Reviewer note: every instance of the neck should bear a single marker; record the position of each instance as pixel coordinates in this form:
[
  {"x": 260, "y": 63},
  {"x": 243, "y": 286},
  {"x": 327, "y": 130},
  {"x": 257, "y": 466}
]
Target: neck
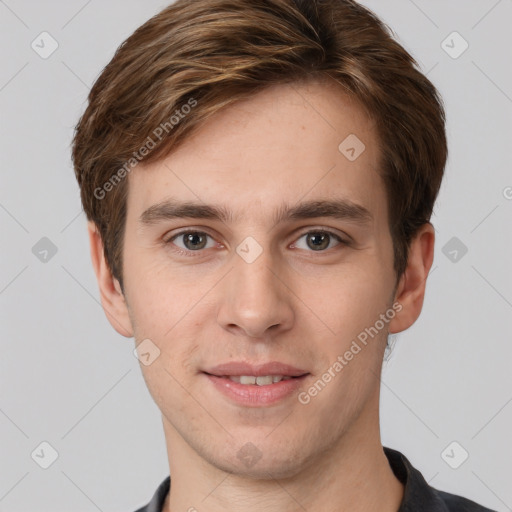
[{"x": 353, "y": 475}]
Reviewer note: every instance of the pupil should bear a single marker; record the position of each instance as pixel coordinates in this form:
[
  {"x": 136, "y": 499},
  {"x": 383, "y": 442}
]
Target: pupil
[
  {"x": 320, "y": 238},
  {"x": 195, "y": 240}
]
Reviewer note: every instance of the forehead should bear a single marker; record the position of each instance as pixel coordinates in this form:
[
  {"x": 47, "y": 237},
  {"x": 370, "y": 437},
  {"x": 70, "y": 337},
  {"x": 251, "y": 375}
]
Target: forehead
[{"x": 288, "y": 143}]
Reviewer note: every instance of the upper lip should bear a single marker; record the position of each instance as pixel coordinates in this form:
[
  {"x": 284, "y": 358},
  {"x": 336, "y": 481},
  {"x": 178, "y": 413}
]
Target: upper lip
[{"x": 256, "y": 370}]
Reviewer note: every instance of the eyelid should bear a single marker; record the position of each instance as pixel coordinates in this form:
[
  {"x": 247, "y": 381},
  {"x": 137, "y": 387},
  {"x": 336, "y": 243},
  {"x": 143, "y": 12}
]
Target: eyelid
[
  {"x": 167, "y": 239},
  {"x": 319, "y": 229},
  {"x": 330, "y": 231}
]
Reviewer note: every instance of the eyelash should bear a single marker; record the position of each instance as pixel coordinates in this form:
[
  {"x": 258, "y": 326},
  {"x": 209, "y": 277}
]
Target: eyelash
[{"x": 192, "y": 254}]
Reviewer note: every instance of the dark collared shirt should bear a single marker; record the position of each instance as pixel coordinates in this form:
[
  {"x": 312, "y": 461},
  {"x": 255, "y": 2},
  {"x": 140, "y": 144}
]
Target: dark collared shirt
[{"x": 418, "y": 495}]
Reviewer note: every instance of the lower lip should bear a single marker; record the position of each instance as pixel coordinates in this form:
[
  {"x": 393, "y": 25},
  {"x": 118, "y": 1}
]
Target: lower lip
[{"x": 252, "y": 395}]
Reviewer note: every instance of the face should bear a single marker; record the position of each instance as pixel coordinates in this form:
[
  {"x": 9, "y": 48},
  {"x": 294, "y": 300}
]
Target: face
[{"x": 292, "y": 265}]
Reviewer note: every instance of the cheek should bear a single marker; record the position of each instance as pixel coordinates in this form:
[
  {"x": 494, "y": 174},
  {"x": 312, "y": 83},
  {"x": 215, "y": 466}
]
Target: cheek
[
  {"x": 351, "y": 300},
  {"x": 170, "y": 309},
  {"x": 158, "y": 297}
]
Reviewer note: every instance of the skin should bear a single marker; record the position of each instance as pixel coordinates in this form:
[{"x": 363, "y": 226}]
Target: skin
[{"x": 294, "y": 304}]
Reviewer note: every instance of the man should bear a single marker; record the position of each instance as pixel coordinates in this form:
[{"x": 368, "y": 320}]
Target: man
[{"x": 259, "y": 178}]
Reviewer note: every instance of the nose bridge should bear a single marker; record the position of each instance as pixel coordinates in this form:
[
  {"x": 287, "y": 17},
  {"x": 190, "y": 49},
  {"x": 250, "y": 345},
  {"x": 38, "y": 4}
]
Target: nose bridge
[
  {"x": 256, "y": 276},
  {"x": 253, "y": 298}
]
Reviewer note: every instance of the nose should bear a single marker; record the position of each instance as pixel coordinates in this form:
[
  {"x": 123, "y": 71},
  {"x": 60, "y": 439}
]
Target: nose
[{"x": 256, "y": 300}]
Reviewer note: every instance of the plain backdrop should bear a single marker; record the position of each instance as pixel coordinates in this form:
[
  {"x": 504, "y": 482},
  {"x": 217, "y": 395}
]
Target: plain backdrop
[{"x": 69, "y": 380}]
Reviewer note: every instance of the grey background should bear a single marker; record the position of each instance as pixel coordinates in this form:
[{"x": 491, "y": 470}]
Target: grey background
[{"x": 67, "y": 378}]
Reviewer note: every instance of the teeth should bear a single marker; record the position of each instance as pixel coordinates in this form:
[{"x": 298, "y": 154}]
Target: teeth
[{"x": 260, "y": 381}]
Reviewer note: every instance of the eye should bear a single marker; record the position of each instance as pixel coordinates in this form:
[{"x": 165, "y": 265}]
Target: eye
[
  {"x": 319, "y": 240},
  {"x": 193, "y": 241},
  {"x": 188, "y": 242}
]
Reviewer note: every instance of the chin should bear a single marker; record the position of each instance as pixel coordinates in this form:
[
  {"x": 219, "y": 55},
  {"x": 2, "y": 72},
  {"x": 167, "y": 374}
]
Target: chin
[
  {"x": 263, "y": 470},
  {"x": 260, "y": 463}
]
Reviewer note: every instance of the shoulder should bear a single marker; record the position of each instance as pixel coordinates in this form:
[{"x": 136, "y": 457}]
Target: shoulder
[
  {"x": 157, "y": 501},
  {"x": 460, "y": 504},
  {"x": 419, "y": 496}
]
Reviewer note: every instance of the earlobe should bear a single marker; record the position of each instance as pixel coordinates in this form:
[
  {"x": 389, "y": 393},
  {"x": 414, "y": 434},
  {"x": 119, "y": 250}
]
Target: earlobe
[
  {"x": 411, "y": 288},
  {"x": 112, "y": 297}
]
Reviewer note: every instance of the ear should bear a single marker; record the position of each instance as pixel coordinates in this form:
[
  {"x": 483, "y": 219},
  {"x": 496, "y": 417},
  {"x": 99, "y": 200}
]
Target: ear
[
  {"x": 112, "y": 298},
  {"x": 411, "y": 287}
]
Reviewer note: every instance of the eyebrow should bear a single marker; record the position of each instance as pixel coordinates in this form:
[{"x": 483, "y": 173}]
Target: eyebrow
[{"x": 341, "y": 209}]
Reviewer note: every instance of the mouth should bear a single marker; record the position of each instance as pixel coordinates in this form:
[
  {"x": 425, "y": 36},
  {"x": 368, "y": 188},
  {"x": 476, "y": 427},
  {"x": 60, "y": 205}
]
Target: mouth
[
  {"x": 260, "y": 380},
  {"x": 262, "y": 374},
  {"x": 250, "y": 385}
]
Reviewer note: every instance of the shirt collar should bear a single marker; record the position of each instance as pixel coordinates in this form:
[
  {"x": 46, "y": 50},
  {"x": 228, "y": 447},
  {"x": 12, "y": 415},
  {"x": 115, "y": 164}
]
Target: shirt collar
[{"x": 418, "y": 495}]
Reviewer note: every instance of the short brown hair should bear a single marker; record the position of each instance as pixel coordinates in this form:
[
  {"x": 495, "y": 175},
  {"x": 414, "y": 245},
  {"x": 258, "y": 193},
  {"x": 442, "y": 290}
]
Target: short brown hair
[{"x": 208, "y": 54}]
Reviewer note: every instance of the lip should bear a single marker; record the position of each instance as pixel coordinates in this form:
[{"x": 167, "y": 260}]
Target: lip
[
  {"x": 253, "y": 395},
  {"x": 238, "y": 368}
]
